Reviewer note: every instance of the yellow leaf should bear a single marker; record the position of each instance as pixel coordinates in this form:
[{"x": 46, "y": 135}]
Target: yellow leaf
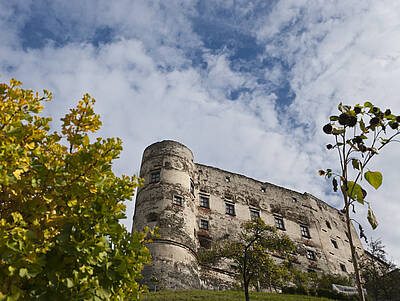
[
  {"x": 17, "y": 173},
  {"x": 93, "y": 189}
]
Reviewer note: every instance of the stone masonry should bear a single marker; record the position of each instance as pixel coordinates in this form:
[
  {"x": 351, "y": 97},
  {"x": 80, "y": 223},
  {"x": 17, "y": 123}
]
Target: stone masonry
[{"x": 195, "y": 205}]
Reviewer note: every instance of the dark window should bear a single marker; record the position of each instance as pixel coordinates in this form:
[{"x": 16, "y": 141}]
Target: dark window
[
  {"x": 311, "y": 255},
  {"x": 254, "y": 214},
  {"x": 204, "y": 202},
  {"x": 203, "y": 224},
  {"x": 191, "y": 187},
  {"x": 279, "y": 223},
  {"x": 177, "y": 200},
  {"x": 263, "y": 189},
  {"x": 334, "y": 243},
  {"x": 304, "y": 231},
  {"x": 205, "y": 242},
  {"x": 294, "y": 200},
  {"x": 155, "y": 176},
  {"x": 328, "y": 225},
  {"x": 343, "y": 267},
  {"x": 229, "y": 208},
  {"x": 227, "y": 179}
]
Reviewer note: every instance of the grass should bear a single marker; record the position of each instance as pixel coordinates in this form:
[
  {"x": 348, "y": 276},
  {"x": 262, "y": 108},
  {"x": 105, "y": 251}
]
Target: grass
[{"x": 195, "y": 295}]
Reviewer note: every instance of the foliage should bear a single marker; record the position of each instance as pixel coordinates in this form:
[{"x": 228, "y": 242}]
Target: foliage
[
  {"x": 60, "y": 236},
  {"x": 379, "y": 274},
  {"x": 188, "y": 295},
  {"x": 251, "y": 253},
  {"x": 360, "y": 133},
  {"x": 313, "y": 284}
]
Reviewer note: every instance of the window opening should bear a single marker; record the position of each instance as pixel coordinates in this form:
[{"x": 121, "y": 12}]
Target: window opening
[
  {"x": 263, "y": 189},
  {"x": 155, "y": 176},
  {"x": 279, "y": 223},
  {"x": 229, "y": 208},
  {"x": 204, "y": 202},
  {"x": 311, "y": 255},
  {"x": 204, "y": 224},
  {"x": 177, "y": 200},
  {"x": 227, "y": 179},
  {"x": 294, "y": 200},
  {"x": 334, "y": 243},
  {"x": 254, "y": 214},
  {"x": 328, "y": 224},
  {"x": 191, "y": 187},
  {"x": 304, "y": 231},
  {"x": 343, "y": 267}
]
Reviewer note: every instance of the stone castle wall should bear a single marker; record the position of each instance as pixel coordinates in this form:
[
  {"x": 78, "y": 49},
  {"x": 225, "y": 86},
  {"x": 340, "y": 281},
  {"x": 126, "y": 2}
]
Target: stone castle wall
[{"x": 170, "y": 200}]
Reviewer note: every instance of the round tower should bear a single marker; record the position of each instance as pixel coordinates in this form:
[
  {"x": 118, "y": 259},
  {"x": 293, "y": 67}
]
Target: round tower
[{"x": 166, "y": 201}]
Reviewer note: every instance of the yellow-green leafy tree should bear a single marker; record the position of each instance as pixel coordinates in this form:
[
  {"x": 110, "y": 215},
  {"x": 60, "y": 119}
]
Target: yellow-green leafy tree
[{"x": 60, "y": 206}]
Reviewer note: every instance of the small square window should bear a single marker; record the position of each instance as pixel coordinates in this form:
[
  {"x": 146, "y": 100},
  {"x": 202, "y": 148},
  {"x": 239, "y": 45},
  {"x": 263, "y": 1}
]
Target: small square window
[
  {"x": 177, "y": 200},
  {"x": 229, "y": 208},
  {"x": 279, "y": 223},
  {"x": 263, "y": 189},
  {"x": 191, "y": 187},
  {"x": 304, "y": 231},
  {"x": 343, "y": 267},
  {"x": 294, "y": 200},
  {"x": 254, "y": 214},
  {"x": 334, "y": 243},
  {"x": 328, "y": 224},
  {"x": 204, "y": 224},
  {"x": 311, "y": 255},
  {"x": 204, "y": 201},
  {"x": 227, "y": 179},
  {"x": 155, "y": 176}
]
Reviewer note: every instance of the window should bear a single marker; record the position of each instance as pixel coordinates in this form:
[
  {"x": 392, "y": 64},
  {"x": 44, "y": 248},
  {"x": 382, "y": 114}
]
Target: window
[
  {"x": 155, "y": 176},
  {"x": 334, "y": 243},
  {"x": 229, "y": 208},
  {"x": 263, "y": 189},
  {"x": 204, "y": 224},
  {"x": 343, "y": 267},
  {"x": 294, "y": 200},
  {"x": 328, "y": 224},
  {"x": 311, "y": 255},
  {"x": 254, "y": 214},
  {"x": 205, "y": 242},
  {"x": 177, "y": 200},
  {"x": 191, "y": 187},
  {"x": 227, "y": 179},
  {"x": 279, "y": 223},
  {"x": 304, "y": 231},
  {"x": 204, "y": 202}
]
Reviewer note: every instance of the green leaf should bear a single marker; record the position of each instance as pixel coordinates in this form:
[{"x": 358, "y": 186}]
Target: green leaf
[
  {"x": 374, "y": 178},
  {"x": 356, "y": 164},
  {"x": 362, "y": 126},
  {"x": 334, "y": 118},
  {"x": 355, "y": 192},
  {"x": 70, "y": 283},
  {"x": 372, "y": 218},
  {"x": 23, "y": 272},
  {"x": 368, "y": 104}
]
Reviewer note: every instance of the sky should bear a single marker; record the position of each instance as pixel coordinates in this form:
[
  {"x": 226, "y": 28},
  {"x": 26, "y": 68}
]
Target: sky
[{"x": 246, "y": 85}]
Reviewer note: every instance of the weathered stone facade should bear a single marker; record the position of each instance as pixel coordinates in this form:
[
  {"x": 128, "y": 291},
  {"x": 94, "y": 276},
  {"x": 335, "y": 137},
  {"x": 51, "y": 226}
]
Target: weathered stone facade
[{"x": 195, "y": 205}]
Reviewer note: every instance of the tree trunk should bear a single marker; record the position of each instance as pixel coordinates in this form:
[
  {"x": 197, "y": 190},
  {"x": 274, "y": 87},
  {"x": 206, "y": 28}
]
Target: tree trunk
[
  {"x": 246, "y": 290},
  {"x": 354, "y": 254}
]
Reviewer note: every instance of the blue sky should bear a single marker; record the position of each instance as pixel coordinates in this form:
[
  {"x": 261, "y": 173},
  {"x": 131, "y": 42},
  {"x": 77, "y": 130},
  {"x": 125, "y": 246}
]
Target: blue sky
[{"x": 246, "y": 85}]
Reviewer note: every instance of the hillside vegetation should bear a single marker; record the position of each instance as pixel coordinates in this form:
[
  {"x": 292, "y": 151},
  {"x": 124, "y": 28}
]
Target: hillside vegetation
[{"x": 223, "y": 296}]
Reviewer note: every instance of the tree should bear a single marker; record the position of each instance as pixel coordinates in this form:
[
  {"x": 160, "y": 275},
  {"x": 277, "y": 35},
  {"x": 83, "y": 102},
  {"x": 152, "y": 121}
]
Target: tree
[
  {"x": 60, "y": 202},
  {"x": 251, "y": 254},
  {"x": 378, "y": 273},
  {"x": 360, "y": 133}
]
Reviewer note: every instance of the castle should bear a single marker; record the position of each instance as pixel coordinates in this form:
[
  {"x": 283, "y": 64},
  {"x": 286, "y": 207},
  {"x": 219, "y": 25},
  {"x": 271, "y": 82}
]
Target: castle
[{"x": 195, "y": 205}]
